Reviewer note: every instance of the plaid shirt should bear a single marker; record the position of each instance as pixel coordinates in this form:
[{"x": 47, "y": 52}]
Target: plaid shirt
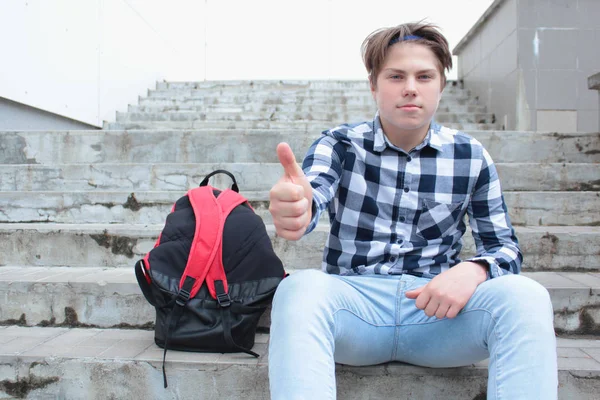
[{"x": 394, "y": 212}]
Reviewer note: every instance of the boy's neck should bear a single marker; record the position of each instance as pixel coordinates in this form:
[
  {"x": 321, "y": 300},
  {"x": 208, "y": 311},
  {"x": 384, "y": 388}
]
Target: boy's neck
[{"x": 405, "y": 139}]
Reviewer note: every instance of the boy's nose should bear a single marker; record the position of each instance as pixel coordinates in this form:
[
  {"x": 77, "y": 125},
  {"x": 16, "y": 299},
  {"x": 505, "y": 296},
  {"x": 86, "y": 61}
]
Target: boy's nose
[{"x": 410, "y": 87}]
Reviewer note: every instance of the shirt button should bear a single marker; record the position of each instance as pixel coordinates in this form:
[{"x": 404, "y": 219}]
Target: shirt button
[
  {"x": 402, "y": 219},
  {"x": 406, "y": 190},
  {"x": 393, "y": 259},
  {"x": 409, "y": 159}
]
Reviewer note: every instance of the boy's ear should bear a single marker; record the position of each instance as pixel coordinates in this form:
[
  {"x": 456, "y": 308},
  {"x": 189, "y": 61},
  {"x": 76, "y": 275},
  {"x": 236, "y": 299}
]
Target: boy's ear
[{"x": 372, "y": 86}]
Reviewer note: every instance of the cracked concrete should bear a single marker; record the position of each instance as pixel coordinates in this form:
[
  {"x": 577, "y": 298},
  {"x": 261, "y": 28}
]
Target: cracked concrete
[
  {"x": 213, "y": 146},
  {"x": 251, "y": 176},
  {"x": 115, "y": 245},
  {"x": 21, "y": 387},
  {"x": 152, "y": 207},
  {"x": 99, "y": 297}
]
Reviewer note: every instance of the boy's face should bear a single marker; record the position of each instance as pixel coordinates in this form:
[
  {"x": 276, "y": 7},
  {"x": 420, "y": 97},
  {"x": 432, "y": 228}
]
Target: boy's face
[{"x": 408, "y": 89}]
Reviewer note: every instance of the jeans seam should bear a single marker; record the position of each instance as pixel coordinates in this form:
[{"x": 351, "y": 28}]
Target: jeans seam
[
  {"x": 361, "y": 318},
  {"x": 398, "y": 308},
  {"x": 495, "y": 358}
]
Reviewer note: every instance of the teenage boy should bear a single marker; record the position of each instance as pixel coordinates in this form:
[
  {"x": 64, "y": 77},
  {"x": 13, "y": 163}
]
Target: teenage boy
[{"x": 394, "y": 289}]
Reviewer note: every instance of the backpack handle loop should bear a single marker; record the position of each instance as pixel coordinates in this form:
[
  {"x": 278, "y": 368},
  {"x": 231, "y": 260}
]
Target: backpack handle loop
[{"x": 234, "y": 187}]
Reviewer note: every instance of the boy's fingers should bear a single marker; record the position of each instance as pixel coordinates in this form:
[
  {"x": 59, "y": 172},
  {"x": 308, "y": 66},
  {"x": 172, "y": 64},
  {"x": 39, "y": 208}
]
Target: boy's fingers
[
  {"x": 288, "y": 161},
  {"x": 295, "y": 223},
  {"x": 442, "y": 311},
  {"x": 287, "y": 191},
  {"x": 413, "y": 294},
  {"x": 453, "y": 311},
  {"x": 290, "y": 235},
  {"x": 431, "y": 308},
  {"x": 293, "y": 209}
]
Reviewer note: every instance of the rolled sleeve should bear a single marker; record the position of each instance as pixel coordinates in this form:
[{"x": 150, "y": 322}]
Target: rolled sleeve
[{"x": 494, "y": 236}]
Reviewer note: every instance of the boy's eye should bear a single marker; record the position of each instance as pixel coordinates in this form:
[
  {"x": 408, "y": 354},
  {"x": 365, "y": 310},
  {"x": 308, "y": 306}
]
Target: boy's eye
[
  {"x": 395, "y": 76},
  {"x": 425, "y": 77}
]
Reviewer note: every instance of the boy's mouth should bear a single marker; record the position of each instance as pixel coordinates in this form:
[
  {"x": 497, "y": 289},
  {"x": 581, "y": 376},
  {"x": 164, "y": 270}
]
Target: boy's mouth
[{"x": 409, "y": 107}]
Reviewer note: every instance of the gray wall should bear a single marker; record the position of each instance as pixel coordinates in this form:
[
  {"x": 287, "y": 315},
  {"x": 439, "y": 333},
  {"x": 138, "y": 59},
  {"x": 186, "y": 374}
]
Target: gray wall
[
  {"x": 594, "y": 84},
  {"x": 529, "y": 60},
  {"x": 488, "y": 62},
  {"x": 17, "y": 116}
]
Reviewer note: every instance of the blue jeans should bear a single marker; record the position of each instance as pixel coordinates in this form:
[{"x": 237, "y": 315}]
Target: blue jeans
[{"x": 365, "y": 320}]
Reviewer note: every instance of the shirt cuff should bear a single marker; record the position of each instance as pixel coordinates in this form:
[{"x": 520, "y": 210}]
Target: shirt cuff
[
  {"x": 314, "y": 218},
  {"x": 493, "y": 270}
]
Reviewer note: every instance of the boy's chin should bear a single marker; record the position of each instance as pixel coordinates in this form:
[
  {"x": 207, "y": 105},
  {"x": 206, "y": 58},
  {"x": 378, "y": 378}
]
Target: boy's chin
[{"x": 412, "y": 126}]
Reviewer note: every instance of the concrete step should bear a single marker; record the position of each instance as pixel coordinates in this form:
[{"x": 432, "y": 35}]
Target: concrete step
[
  {"x": 105, "y": 298},
  {"x": 67, "y": 363},
  {"x": 278, "y": 100},
  {"x": 281, "y": 85},
  {"x": 290, "y": 108},
  {"x": 261, "y": 84},
  {"x": 233, "y": 146},
  {"x": 276, "y": 116},
  {"x": 305, "y": 125},
  {"x": 148, "y": 207},
  {"x": 560, "y": 248},
  {"x": 250, "y": 176},
  {"x": 342, "y": 94},
  {"x": 360, "y": 99}
]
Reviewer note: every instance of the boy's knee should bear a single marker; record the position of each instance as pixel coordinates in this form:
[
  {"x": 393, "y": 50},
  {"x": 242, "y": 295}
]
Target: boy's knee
[
  {"x": 526, "y": 288},
  {"x": 300, "y": 288},
  {"x": 523, "y": 294},
  {"x": 301, "y": 301}
]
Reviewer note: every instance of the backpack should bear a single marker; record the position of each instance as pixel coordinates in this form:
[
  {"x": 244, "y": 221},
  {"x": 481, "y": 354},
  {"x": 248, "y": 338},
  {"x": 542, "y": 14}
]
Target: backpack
[{"x": 211, "y": 274}]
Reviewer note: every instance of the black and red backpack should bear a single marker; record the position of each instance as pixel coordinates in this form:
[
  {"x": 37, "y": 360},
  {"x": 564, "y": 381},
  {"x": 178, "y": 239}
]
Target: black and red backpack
[{"x": 211, "y": 274}]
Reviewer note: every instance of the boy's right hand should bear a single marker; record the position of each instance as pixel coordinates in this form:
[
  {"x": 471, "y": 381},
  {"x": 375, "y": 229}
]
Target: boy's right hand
[{"x": 290, "y": 197}]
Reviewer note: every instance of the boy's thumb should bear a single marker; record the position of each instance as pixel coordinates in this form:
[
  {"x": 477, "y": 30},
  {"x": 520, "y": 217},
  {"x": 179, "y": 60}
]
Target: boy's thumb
[{"x": 288, "y": 161}]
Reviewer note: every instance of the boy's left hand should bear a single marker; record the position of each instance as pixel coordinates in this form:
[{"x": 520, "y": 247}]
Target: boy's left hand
[{"x": 447, "y": 293}]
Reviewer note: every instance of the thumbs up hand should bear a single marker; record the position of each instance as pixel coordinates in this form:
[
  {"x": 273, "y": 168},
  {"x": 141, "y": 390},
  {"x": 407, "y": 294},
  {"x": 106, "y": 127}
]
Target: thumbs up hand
[{"x": 290, "y": 197}]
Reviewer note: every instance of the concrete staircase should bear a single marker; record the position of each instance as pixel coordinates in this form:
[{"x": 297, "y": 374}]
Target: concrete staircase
[
  {"x": 78, "y": 208},
  {"x": 312, "y": 106}
]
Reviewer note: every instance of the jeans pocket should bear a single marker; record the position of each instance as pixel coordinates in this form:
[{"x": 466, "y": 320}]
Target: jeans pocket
[{"x": 436, "y": 220}]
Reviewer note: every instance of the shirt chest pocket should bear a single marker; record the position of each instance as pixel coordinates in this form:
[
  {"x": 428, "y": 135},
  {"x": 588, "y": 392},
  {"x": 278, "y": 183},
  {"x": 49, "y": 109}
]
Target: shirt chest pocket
[{"x": 436, "y": 220}]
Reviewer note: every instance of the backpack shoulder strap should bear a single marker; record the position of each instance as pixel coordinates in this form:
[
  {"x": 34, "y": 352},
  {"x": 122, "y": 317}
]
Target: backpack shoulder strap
[
  {"x": 205, "y": 261},
  {"x": 229, "y": 200},
  {"x": 216, "y": 279},
  {"x": 207, "y": 237}
]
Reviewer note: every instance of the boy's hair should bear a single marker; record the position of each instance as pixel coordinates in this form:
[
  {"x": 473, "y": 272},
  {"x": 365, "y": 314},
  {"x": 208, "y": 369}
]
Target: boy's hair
[{"x": 375, "y": 47}]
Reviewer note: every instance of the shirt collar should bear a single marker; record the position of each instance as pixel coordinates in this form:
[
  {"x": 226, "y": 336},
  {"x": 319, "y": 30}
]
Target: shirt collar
[{"x": 432, "y": 139}]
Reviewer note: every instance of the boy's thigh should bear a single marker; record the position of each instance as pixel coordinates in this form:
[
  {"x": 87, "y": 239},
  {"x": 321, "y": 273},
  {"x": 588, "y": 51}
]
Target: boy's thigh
[
  {"x": 444, "y": 343},
  {"x": 370, "y": 298},
  {"x": 463, "y": 340},
  {"x": 360, "y": 312}
]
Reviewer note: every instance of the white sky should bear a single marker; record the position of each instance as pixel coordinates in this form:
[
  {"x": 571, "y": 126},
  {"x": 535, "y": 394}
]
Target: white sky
[{"x": 284, "y": 39}]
